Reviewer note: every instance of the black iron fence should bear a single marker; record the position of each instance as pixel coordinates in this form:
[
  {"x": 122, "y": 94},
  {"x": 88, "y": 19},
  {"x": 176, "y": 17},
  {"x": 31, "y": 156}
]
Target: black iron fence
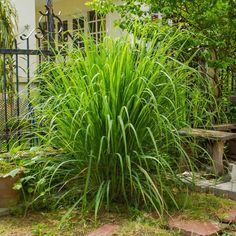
[
  {"x": 15, "y": 92},
  {"x": 17, "y": 68}
]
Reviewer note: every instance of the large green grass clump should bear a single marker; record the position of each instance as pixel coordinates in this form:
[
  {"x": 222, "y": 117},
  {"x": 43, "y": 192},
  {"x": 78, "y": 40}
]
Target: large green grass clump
[{"x": 114, "y": 109}]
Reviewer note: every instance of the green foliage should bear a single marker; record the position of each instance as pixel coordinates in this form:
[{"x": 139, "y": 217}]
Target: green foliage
[
  {"x": 209, "y": 207},
  {"x": 114, "y": 109},
  {"x": 213, "y": 22},
  {"x": 40, "y": 230},
  {"x": 210, "y": 23},
  {"x": 9, "y": 168},
  {"x": 8, "y": 26},
  {"x": 5, "y": 167}
]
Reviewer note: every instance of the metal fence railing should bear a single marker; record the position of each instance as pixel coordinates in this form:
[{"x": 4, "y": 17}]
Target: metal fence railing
[{"x": 17, "y": 67}]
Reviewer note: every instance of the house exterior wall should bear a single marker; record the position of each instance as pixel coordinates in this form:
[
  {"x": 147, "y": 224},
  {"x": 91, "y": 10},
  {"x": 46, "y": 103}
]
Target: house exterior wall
[
  {"x": 26, "y": 23},
  {"x": 26, "y": 18},
  {"x": 71, "y": 9}
]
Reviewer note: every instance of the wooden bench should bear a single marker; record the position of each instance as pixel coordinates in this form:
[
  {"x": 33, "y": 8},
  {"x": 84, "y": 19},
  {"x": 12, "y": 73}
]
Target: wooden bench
[
  {"x": 231, "y": 143},
  {"x": 216, "y": 143},
  {"x": 223, "y": 127}
]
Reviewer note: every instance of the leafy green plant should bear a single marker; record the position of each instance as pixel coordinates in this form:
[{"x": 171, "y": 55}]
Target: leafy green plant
[
  {"x": 10, "y": 166},
  {"x": 39, "y": 230},
  {"x": 211, "y": 26},
  {"x": 8, "y": 25},
  {"x": 6, "y": 167},
  {"x": 114, "y": 109}
]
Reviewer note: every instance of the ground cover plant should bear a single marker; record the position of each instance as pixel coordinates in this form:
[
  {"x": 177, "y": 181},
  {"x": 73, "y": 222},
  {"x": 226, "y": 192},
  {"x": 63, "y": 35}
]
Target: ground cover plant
[{"x": 114, "y": 109}]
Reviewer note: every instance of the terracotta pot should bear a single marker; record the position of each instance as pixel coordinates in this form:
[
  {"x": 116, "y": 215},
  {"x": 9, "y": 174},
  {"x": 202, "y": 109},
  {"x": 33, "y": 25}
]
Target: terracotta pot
[{"x": 8, "y": 196}]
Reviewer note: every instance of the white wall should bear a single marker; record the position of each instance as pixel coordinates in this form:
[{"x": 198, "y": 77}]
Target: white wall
[
  {"x": 26, "y": 23},
  {"x": 72, "y": 8},
  {"x": 26, "y": 18}
]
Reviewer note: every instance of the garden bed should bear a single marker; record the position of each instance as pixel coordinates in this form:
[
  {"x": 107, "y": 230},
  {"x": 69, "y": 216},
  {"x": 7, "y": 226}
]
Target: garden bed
[{"x": 131, "y": 222}]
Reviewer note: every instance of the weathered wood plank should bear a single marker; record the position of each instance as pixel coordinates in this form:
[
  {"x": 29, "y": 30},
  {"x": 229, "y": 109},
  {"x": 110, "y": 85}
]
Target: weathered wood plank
[
  {"x": 207, "y": 134},
  {"x": 217, "y": 156},
  {"x": 223, "y": 127}
]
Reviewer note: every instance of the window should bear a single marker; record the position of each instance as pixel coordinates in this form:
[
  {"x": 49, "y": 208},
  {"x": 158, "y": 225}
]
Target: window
[
  {"x": 78, "y": 29},
  {"x": 88, "y": 23},
  {"x": 63, "y": 30},
  {"x": 96, "y": 25}
]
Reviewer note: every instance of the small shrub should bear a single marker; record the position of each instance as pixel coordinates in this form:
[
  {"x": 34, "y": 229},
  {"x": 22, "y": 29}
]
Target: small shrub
[{"x": 115, "y": 109}]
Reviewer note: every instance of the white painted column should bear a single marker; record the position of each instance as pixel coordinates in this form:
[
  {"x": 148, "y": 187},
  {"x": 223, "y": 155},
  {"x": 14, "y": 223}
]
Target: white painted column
[
  {"x": 26, "y": 18},
  {"x": 26, "y": 23}
]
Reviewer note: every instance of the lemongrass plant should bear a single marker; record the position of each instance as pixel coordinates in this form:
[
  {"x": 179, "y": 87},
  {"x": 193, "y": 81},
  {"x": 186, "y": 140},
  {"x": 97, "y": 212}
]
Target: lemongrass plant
[{"x": 114, "y": 109}]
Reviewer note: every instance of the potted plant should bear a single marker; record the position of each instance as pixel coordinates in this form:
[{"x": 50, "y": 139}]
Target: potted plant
[{"x": 10, "y": 173}]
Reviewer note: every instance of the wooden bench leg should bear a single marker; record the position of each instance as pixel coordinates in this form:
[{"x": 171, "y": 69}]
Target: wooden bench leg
[
  {"x": 232, "y": 145},
  {"x": 217, "y": 152}
]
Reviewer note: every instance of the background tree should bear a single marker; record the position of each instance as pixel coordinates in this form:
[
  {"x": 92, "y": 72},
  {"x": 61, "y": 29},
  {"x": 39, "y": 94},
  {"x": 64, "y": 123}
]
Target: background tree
[
  {"x": 7, "y": 36},
  {"x": 213, "y": 23},
  {"x": 7, "y": 24},
  {"x": 211, "y": 27}
]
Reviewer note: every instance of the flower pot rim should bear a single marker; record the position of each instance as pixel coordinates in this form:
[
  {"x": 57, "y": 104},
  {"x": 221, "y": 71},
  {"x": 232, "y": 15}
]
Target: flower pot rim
[{"x": 15, "y": 172}]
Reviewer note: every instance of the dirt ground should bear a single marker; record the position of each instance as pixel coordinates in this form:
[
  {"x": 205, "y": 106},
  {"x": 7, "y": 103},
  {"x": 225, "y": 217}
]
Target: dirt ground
[
  {"x": 132, "y": 222},
  {"x": 45, "y": 224},
  {"x": 31, "y": 224}
]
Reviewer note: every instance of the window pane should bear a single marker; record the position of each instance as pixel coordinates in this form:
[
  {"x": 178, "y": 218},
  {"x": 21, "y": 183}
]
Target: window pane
[
  {"x": 81, "y": 22},
  {"x": 99, "y": 24},
  {"x": 96, "y": 25},
  {"x": 92, "y": 27},
  {"x": 99, "y": 37},
  {"x": 65, "y": 29},
  {"x": 65, "y": 25},
  {"x": 81, "y": 44},
  {"x": 75, "y": 24},
  {"x": 91, "y": 15}
]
